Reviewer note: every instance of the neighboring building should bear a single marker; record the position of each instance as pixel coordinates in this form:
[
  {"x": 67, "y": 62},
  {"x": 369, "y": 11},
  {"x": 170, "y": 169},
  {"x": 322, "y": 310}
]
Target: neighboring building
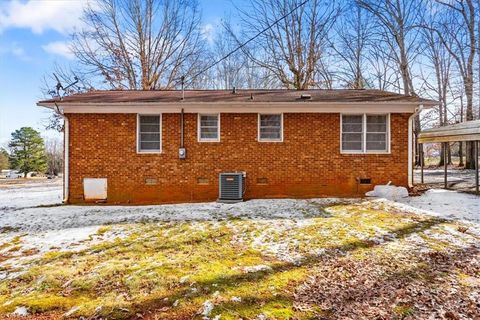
[{"x": 125, "y": 145}]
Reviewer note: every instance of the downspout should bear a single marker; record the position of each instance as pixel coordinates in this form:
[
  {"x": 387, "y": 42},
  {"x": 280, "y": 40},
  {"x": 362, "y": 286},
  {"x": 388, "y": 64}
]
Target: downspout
[
  {"x": 410, "y": 144},
  {"x": 66, "y": 152},
  {"x": 182, "y": 152},
  {"x": 182, "y": 129}
]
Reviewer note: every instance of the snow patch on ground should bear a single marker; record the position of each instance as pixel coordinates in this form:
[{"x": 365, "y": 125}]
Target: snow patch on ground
[
  {"x": 257, "y": 268},
  {"x": 15, "y": 197},
  {"x": 21, "y": 311},
  {"x": 444, "y": 203},
  {"x": 24, "y": 216},
  {"x": 64, "y": 217},
  {"x": 207, "y": 308},
  {"x": 41, "y": 228},
  {"x": 388, "y": 192},
  {"x": 59, "y": 239}
]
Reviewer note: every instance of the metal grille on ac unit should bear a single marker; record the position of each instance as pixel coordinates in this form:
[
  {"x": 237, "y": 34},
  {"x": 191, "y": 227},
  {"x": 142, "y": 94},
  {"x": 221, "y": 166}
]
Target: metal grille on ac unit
[{"x": 231, "y": 187}]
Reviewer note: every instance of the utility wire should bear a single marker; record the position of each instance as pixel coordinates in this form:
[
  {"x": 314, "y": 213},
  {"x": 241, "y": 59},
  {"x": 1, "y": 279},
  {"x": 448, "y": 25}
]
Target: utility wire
[{"x": 248, "y": 41}]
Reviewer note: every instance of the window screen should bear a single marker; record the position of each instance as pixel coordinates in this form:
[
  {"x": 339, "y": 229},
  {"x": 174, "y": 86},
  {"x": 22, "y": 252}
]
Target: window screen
[
  {"x": 376, "y": 139},
  {"x": 209, "y": 125},
  {"x": 270, "y": 127},
  {"x": 352, "y": 133},
  {"x": 149, "y": 133}
]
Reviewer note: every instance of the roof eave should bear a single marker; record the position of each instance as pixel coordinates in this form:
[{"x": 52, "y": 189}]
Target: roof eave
[
  {"x": 51, "y": 104},
  {"x": 239, "y": 107}
]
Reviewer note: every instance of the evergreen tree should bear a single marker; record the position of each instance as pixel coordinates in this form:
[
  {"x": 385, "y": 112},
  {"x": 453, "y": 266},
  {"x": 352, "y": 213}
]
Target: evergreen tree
[{"x": 27, "y": 151}]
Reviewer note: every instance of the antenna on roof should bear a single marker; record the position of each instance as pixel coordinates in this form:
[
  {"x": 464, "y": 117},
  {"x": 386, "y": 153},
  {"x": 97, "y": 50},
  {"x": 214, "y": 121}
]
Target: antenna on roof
[
  {"x": 59, "y": 86},
  {"x": 73, "y": 83}
]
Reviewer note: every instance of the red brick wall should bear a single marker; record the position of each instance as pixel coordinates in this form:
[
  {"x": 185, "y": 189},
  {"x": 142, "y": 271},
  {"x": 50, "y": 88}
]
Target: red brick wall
[{"x": 307, "y": 164}]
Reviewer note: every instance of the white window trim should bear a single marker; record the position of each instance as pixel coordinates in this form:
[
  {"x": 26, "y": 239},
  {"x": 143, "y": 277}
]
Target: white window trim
[
  {"x": 199, "y": 136},
  {"x": 281, "y": 127},
  {"x": 364, "y": 134},
  {"x": 139, "y": 151}
]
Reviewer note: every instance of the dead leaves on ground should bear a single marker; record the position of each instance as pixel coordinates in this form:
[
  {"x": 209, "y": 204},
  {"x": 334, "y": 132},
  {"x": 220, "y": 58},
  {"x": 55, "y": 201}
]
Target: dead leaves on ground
[{"x": 436, "y": 285}]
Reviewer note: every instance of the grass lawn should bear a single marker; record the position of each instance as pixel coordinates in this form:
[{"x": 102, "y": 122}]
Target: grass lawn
[{"x": 360, "y": 260}]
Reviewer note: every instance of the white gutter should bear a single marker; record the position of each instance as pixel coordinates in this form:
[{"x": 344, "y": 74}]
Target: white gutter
[
  {"x": 66, "y": 152},
  {"x": 411, "y": 144},
  {"x": 66, "y": 162}
]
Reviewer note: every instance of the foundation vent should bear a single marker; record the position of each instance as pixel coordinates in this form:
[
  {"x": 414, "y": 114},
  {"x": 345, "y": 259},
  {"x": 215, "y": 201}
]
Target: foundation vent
[
  {"x": 231, "y": 187},
  {"x": 365, "y": 181}
]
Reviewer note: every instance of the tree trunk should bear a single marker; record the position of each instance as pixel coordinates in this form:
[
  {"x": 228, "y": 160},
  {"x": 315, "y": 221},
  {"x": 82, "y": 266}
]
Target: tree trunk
[
  {"x": 449, "y": 155},
  {"x": 469, "y": 148},
  {"x": 460, "y": 146},
  {"x": 416, "y": 132},
  {"x": 460, "y": 154},
  {"x": 469, "y": 155}
]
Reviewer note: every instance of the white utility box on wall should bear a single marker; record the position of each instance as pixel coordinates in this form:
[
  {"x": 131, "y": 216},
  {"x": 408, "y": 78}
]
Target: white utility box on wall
[{"x": 95, "y": 188}]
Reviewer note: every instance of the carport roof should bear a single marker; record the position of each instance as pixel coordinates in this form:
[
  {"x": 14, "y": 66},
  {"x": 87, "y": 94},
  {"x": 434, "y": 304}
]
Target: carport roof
[{"x": 465, "y": 131}]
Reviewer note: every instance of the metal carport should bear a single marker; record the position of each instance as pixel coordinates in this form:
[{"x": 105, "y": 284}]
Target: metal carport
[{"x": 465, "y": 131}]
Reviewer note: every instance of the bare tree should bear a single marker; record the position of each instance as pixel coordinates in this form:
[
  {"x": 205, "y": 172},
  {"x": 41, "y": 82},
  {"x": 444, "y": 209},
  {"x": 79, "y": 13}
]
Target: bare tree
[
  {"x": 237, "y": 69},
  {"x": 140, "y": 44},
  {"x": 399, "y": 22},
  {"x": 292, "y": 50},
  {"x": 478, "y": 57},
  {"x": 382, "y": 74},
  {"x": 457, "y": 91},
  {"x": 437, "y": 86},
  {"x": 54, "y": 153},
  {"x": 352, "y": 42},
  {"x": 457, "y": 32},
  {"x": 230, "y": 72}
]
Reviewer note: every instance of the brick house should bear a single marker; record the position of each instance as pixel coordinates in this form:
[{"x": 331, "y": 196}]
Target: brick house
[{"x": 126, "y": 146}]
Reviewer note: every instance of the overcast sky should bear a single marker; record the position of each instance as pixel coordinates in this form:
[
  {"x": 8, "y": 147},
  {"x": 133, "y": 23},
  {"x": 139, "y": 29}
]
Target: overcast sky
[{"x": 34, "y": 35}]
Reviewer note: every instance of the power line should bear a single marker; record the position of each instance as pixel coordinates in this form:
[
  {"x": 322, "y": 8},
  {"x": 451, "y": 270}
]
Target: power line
[{"x": 248, "y": 41}]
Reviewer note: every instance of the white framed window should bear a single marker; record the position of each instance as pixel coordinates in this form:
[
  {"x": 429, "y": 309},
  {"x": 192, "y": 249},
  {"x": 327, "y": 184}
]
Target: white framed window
[
  {"x": 352, "y": 133},
  {"x": 377, "y": 135},
  {"x": 270, "y": 127},
  {"x": 365, "y": 133},
  {"x": 209, "y": 127},
  {"x": 149, "y": 133}
]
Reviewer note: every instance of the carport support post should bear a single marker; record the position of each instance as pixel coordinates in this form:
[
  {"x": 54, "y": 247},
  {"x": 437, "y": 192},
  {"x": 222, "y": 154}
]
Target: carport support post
[
  {"x": 476, "y": 167},
  {"x": 421, "y": 161},
  {"x": 445, "y": 161}
]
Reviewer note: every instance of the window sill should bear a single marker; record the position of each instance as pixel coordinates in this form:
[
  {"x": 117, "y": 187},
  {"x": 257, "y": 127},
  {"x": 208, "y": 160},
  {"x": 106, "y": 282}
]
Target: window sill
[
  {"x": 365, "y": 153},
  {"x": 149, "y": 152}
]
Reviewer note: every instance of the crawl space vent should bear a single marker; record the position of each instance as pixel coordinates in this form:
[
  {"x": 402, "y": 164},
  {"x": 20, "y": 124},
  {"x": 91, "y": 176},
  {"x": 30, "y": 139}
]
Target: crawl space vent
[{"x": 365, "y": 181}]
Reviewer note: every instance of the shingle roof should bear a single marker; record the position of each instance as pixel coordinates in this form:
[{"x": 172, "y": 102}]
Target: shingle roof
[{"x": 219, "y": 96}]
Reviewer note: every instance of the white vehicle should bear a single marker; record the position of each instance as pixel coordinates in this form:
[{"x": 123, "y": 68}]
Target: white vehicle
[{"x": 14, "y": 174}]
